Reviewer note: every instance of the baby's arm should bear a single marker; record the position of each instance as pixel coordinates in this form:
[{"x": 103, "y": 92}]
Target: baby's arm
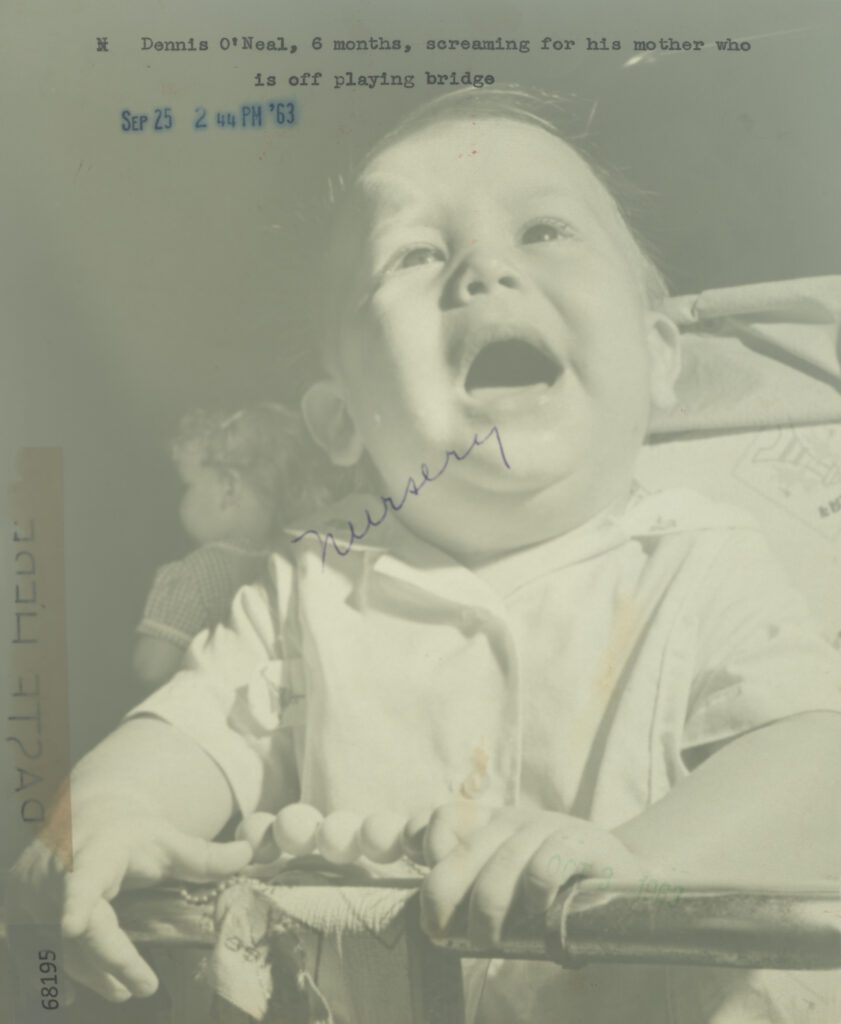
[
  {"x": 175, "y": 612},
  {"x": 760, "y": 725},
  {"x": 145, "y": 804},
  {"x": 764, "y": 806},
  {"x": 147, "y": 801},
  {"x": 156, "y": 660}
]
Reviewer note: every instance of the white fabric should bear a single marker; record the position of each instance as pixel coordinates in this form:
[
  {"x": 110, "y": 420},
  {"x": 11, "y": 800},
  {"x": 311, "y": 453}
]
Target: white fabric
[
  {"x": 789, "y": 479},
  {"x": 572, "y": 676},
  {"x": 330, "y": 946}
]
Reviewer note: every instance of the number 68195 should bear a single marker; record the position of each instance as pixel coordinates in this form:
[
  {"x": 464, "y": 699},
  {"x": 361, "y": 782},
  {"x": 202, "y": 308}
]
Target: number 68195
[{"x": 48, "y": 972}]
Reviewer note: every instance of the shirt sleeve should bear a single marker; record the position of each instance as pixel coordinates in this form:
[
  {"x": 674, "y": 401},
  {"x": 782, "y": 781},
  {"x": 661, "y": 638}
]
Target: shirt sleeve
[
  {"x": 762, "y": 657},
  {"x": 175, "y": 609},
  {"x": 231, "y": 698}
]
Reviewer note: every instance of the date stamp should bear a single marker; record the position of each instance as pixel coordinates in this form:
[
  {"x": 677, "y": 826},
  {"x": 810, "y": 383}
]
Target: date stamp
[{"x": 265, "y": 114}]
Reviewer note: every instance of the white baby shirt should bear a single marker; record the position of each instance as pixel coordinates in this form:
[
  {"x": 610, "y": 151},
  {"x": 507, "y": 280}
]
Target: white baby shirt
[{"x": 572, "y": 675}]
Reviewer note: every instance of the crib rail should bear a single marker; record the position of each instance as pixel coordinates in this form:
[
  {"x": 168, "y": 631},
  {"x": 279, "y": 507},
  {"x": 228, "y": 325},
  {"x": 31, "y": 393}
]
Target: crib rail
[{"x": 792, "y": 928}]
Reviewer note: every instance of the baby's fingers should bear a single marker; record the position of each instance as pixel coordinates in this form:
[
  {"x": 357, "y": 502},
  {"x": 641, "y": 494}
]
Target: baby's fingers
[
  {"x": 104, "y": 959},
  {"x": 450, "y": 880},
  {"x": 561, "y": 857},
  {"x": 197, "y": 860},
  {"x": 104, "y": 984},
  {"x": 497, "y": 887},
  {"x": 97, "y": 874},
  {"x": 451, "y": 826}
]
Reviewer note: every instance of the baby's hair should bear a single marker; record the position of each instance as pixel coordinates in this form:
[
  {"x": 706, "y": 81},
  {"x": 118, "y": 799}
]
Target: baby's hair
[{"x": 267, "y": 445}]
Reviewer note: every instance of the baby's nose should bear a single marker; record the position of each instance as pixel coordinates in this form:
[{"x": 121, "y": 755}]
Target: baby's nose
[{"x": 481, "y": 273}]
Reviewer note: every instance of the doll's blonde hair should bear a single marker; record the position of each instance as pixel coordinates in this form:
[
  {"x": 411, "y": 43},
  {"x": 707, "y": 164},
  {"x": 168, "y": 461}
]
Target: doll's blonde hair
[{"x": 267, "y": 445}]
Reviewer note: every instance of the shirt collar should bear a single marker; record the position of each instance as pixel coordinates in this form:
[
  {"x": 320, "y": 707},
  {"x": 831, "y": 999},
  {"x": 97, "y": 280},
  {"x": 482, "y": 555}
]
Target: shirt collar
[
  {"x": 517, "y": 568},
  {"x": 389, "y": 549},
  {"x": 654, "y": 513},
  {"x": 392, "y": 550}
]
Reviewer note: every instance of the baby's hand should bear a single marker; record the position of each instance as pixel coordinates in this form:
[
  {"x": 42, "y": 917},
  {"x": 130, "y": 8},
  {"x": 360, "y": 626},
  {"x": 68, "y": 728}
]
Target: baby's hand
[
  {"x": 504, "y": 859},
  {"x": 122, "y": 853}
]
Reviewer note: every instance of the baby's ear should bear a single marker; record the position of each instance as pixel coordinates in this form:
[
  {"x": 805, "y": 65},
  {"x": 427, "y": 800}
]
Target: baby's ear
[
  {"x": 327, "y": 418},
  {"x": 664, "y": 349}
]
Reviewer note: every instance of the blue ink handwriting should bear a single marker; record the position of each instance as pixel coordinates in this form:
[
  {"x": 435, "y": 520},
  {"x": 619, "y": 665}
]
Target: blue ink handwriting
[{"x": 389, "y": 504}]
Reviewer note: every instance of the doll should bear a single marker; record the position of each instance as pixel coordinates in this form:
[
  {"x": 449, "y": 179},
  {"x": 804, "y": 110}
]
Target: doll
[{"x": 244, "y": 475}]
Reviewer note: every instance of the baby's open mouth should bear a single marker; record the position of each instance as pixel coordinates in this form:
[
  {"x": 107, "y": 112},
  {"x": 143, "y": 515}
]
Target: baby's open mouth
[{"x": 511, "y": 363}]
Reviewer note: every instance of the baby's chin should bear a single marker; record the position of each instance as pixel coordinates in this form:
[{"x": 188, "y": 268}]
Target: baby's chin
[
  {"x": 502, "y": 524},
  {"x": 547, "y": 501},
  {"x": 522, "y": 461}
]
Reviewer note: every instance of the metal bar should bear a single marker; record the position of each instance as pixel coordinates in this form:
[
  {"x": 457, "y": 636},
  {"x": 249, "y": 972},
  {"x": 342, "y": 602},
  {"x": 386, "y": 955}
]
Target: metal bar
[{"x": 715, "y": 924}]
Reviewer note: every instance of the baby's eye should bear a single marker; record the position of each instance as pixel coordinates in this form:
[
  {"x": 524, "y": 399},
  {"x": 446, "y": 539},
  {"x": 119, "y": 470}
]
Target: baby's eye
[
  {"x": 547, "y": 229},
  {"x": 417, "y": 256}
]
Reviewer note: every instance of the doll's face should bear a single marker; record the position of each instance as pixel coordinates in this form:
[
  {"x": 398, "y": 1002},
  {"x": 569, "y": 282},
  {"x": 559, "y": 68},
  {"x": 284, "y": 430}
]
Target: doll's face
[
  {"x": 493, "y": 284},
  {"x": 219, "y": 504},
  {"x": 205, "y": 514}
]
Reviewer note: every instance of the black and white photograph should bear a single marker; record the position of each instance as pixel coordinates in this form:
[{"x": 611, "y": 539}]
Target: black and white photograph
[{"x": 422, "y": 476}]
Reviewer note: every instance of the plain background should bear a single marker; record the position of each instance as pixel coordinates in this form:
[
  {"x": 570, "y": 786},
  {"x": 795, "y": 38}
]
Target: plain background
[{"x": 145, "y": 274}]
